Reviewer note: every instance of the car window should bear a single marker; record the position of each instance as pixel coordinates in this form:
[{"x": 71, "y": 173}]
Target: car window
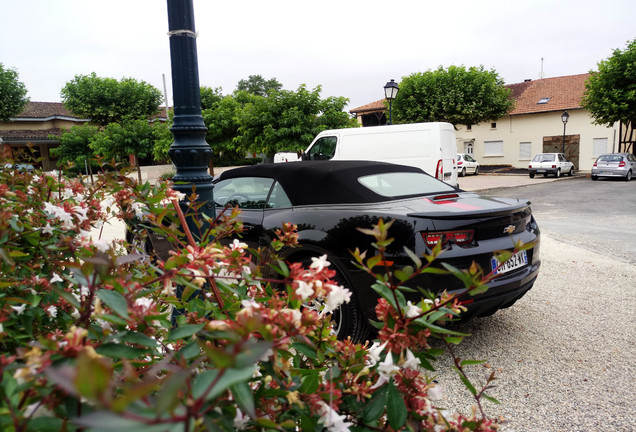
[
  {"x": 404, "y": 183},
  {"x": 244, "y": 192},
  {"x": 278, "y": 198},
  {"x": 610, "y": 158},
  {"x": 469, "y": 158},
  {"x": 323, "y": 149},
  {"x": 544, "y": 157},
  {"x": 631, "y": 157}
]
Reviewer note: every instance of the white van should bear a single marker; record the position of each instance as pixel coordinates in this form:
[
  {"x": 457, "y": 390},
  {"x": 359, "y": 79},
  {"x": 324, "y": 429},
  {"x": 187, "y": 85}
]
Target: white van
[{"x": 429, "y": 146}]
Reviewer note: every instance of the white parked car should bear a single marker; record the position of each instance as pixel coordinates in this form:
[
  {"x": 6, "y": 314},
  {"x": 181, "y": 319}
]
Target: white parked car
[
  {"x": 550, "y": 163},
  {"x": 466, "y": 164}
]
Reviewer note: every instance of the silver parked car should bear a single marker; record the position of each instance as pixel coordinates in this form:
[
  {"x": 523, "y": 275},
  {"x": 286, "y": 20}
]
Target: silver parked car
[{"x": 614, "y": 165}]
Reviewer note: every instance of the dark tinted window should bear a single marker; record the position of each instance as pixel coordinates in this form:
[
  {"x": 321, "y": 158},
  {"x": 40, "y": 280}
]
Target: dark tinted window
[
  {"x": 397, "y": 184},
  {"x": 245, "y": 192},
  {"x": 323, "y": 149}
]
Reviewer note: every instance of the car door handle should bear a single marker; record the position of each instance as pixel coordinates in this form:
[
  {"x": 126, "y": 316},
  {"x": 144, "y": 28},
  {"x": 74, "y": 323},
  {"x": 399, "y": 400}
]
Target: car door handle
[{"x": 248, "y": 227}]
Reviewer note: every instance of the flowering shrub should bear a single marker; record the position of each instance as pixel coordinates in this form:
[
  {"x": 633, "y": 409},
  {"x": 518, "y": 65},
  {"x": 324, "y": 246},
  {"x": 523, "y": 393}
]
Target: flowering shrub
[{"x": 95, "y": 338}]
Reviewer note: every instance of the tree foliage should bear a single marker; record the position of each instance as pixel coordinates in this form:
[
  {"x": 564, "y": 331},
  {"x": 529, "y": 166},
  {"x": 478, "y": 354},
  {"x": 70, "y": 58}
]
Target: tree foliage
[
  {"x": 610, "y": 93},
  {"x": 257, "y": 85},
  {"x": 456, "y": 95},
  {"x": 106, "y": 100},
  {"x": 75, "y": 145},
  {"x": 13, "y": 94},
  {"x": 289, "y": 120},
  {"x": 118, "y": 141},
  {"x": 210, "y": 96}
]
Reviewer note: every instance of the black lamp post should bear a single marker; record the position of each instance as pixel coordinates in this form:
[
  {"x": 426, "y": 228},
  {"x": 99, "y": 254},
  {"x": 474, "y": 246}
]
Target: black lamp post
[
  {"x": 189, "y": 152},
  {"x": 564, "y": 118},
  {"x": 390, "y": 92}
]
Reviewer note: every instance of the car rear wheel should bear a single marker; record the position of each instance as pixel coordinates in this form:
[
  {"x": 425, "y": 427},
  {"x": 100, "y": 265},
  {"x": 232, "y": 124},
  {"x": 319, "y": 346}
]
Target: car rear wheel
[
  {"x": 531, "y": 175},
  {"x": 463, "y": 173},
  {"x": 558, "y": 173},
  {"x": 571, "y": 172},
  {"x": 628, "y": 177},
  {"x": 348, "y": 320},
  {"x": 476, "y": 170},
  {"x": 594, "y": 177},
  {"x": 545, "y": 175}
]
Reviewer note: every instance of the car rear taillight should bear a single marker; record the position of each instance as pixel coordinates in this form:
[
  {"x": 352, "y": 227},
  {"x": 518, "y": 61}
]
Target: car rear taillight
[
  {"x": 554, "y": 166},
  {"x": 595, "y": 163},
  {"x": 460, "y": 163},
  {"x": 460, "y": 237},
  {"x": 439, "y": 171},
  {"x": 621, "y": 164}
]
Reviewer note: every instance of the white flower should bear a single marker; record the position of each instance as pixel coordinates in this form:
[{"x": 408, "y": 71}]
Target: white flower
[
  {"x": 304, "y": 290},
  {"x": 319, "y": 263},
  {"x": 333, "y": 421},
  {"x": 48, "y": 229},
  {"x": 237, "y": 245},
  {"x": 1, "y": 328},
  {"x": 139, "y": 209},
  {"x": 435, "y": 391},
  {"x": 240, "y": 421},
  {"x": 374, "y": 353},
  {"x": 144, "y": 302},
  {"x": 56, "y": 278},
  {"x": 52, "y": 311},
  {"x": 411, "y": 361},
  {"x": 337, "y": 296},
  {"x": 101, "y": 245},
  {"x": 412, "y": 310},
  {"x": 80, "y": 212},
  {"x": 386, "y": 369},
  {"x": 19, "y": 309}
]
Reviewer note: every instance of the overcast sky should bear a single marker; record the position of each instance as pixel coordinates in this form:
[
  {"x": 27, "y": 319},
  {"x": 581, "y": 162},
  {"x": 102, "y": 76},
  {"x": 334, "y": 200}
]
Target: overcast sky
[{"x": 350, "y": 48}]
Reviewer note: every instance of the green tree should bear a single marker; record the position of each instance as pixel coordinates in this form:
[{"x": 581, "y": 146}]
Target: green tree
[
  {"x": 106, "y": 100},
  {"x": 288, "y": 120},
  {"x": 119, "y": 141},
  {"x": 257, "y": 85},
  {"x": 13, "y": 94},
  {"x": 610, "y": 93},
  {"x": 210, "y": 96},
  {"x": 456, "y": 95},
  {"x": 222, "y": 123},
  {"x": 75, "y": 146}
]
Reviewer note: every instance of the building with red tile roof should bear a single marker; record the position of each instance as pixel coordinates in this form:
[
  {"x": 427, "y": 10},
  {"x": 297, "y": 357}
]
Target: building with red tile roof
[{"x": 534, "y": 126}]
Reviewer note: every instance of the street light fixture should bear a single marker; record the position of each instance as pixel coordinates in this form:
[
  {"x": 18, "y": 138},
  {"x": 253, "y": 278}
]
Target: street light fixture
[
  {"x": 390, "y": 92},
  {"x": 564, "y": 118}
]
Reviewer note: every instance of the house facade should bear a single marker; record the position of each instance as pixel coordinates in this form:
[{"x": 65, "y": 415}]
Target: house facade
[
  {"x": 535, "y": 126},
  {"x": 36, "y": 130}
]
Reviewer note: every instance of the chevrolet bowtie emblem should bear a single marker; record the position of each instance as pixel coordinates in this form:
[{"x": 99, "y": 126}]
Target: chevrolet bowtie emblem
[{"x": 509, "y": 229}]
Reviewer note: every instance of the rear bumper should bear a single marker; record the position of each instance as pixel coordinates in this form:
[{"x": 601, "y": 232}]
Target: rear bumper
[
  {"x": 608, "y": 172},
  {"x": 542, "y": 170}
]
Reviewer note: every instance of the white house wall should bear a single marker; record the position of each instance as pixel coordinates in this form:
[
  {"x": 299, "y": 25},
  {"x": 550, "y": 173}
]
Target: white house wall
[{"x": 513, "y": 130}]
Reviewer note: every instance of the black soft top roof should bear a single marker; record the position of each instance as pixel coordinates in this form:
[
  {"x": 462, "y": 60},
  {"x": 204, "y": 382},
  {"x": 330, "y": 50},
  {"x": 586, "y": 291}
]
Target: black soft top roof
[{"x": 322, "y": 182}]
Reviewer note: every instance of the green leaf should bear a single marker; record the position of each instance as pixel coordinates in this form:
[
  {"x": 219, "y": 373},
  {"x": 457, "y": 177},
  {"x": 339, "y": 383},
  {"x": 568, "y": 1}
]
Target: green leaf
[
  {"x": 137, "y": 338},
  {"x": 310, "y": 383},
  {"x": 115, "y": 350},
  {"x": 226, "y": 378},
  {"x": 183, "y": 332},
  {"x": 244, "y": 398},
  {"x": 169, "y": 396},
  {"x": 490, "y": 398},
  {"x": 472, "y": 362},
  {"x": 466, "y": 381},
  {"x": 45, "y": 424},
  {"x": 374, "y": 409},
  {"x": 395, "y": 408},
  {"x": 305, "y": 350},
  {"x": 115, "y": 301},
  {"x": 251, "y": 352}
]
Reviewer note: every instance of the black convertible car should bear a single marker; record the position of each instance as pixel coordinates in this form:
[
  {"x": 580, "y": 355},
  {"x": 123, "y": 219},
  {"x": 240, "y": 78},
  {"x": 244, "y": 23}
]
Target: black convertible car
[{"x": 329, "y": 200}]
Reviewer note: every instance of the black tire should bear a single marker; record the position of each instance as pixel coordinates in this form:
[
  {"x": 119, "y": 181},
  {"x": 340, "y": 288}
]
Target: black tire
[
  {"x": 594, "y": 177},
  {"x": 463, "y": 172},
  {"x": 558, "y": 173},
  {"x": 476, "y": 171},
  {"x": 545, "y": 175},
  {"x": 348, "y": 320},
  {"x": 628, "y": 176},
  {"x": 531, "y": 175},
  {"x": 571, "y": 172}
]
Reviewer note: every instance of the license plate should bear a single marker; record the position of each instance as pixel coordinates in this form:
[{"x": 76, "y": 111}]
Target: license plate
[
  {"x": 540, "y": 170},
  {"x": 518, "y": 260}
]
